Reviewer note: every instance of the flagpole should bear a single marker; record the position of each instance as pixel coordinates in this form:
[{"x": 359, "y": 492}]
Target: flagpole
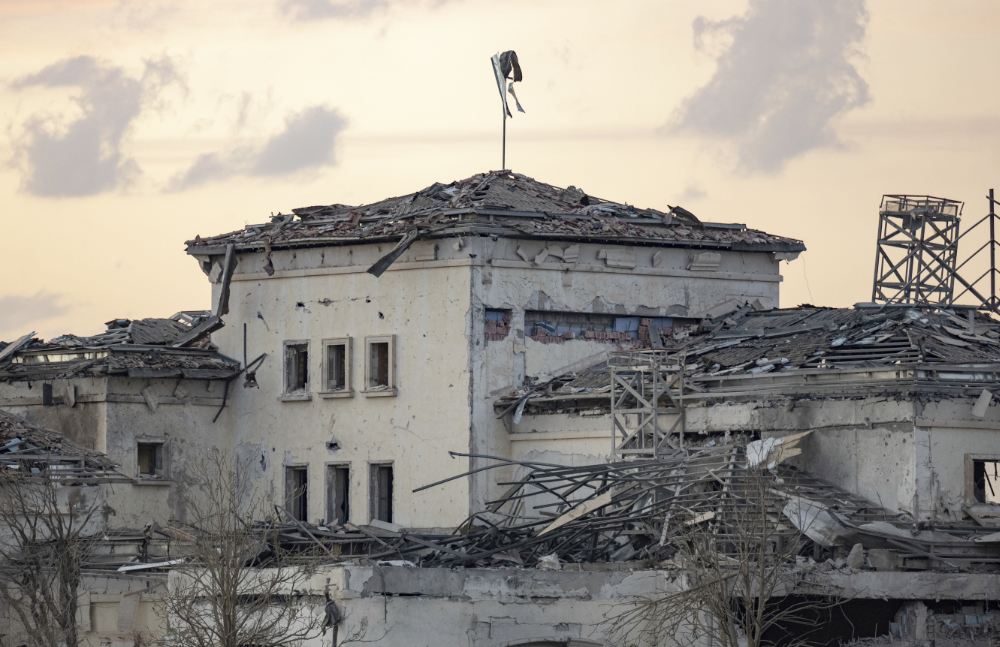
[{"x": 503, "y": 166}]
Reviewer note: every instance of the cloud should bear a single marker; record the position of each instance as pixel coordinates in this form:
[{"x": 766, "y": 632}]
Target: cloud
[
  {"x": 85, "y": 156},
  {"x": 784, "y": 77},
  {"x": 307, "y": 142},
  {"x": 306, "y": 10},
  {"x": 309, "y": 10},
  {"x": 693, "y": 191},
  {"x": 145, "y": 15},
  {"x": 19, "y": 314}
]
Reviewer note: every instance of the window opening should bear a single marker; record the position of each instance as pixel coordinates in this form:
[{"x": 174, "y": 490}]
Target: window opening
[
  {"x": 338, "y": 494},
  {"x": 559, "y": 327},
  {"x": 296, "y": 367},
  {"x": 497, "y": 324},
  {"x": 381, "y": 497},
  {"x": 336, "y": 366},
  {"x": 296, "y": 492},
  {"x": 149, "y": 457},
  {"x": 379, "y": 373},
  {"x": 986, "y": 481}
]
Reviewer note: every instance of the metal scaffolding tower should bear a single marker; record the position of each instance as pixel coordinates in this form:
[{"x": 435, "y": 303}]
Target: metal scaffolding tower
[
  {"x": 646, "y": 385},
  {"x": 918, "y": 260},
  {"x": 917, "y": 250}
]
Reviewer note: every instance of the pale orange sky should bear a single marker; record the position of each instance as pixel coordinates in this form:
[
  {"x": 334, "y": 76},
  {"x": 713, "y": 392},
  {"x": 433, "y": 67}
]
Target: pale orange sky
[{"x": 383, "y": 97}]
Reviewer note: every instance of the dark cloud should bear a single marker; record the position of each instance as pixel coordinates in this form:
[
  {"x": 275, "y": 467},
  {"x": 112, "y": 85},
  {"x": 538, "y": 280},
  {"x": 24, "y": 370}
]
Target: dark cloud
[
  {"x": 85, "y": 156},
  {"x": 19, "y": 314},
  {"x": 307, "y": 142},
  {"x": 786, "y": 76}
]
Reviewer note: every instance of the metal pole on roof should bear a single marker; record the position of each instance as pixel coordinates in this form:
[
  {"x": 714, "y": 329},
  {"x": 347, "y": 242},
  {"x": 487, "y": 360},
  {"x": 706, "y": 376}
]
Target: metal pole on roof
[
  {"x": 503, "y": 163},
  {"x": 993, "y": 255}
]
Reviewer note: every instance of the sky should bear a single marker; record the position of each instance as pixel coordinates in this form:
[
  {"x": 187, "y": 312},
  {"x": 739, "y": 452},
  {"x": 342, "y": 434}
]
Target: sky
[{"x": 130, "y": 127}]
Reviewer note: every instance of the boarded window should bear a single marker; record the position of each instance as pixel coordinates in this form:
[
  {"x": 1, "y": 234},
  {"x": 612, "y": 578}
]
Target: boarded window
[
  {"x": 296, "y": 492},
  {"x": 986, "y": 481},
  {"x": 296, "y": 366},
  {"x": 338, "y": 501},
  {"x": 149, "y": 459},
  {"x": 336, "y": 367},
  {"x": 381, "y": 492}
]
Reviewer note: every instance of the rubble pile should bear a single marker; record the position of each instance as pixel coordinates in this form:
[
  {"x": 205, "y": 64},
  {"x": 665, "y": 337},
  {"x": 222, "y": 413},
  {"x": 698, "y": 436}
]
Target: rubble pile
[{"x": 501, "y": 202}]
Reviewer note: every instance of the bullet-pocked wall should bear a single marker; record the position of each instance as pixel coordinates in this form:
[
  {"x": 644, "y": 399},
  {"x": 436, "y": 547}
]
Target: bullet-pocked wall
[
  {"x": 318, "y": 410},
  {"x": 586, "y": 286},
  {"x": 450, "y": 315}
]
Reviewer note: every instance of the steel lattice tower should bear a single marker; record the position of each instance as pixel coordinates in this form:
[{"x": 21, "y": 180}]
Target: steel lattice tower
[{"x": 915, "y": 261}]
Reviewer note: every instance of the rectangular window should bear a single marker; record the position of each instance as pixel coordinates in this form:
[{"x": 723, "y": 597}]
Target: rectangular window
[
  {"x": 380, "y": 355},
  {"x": 338, "y": 488},
  {"x": 557, "y": 327},
  {"x": 149, "y": 459},
  {"x": 296, "y": 367},
  {"x": 337, "y": 368},
  {"x": 986, "y": 481},
  {"x": 381, "y": 492},
  {"x": 296, "y": 492}
]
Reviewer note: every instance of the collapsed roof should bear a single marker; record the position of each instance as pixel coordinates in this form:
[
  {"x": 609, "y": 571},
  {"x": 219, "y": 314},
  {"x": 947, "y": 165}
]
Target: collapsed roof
[
  {"x": 499, "y": 203},
  {"x": 139, "y": 348},
  {"x": 751, "y": 353},
  {"x": 643, "y": 510},
  {"x": 24, "y": 445}
]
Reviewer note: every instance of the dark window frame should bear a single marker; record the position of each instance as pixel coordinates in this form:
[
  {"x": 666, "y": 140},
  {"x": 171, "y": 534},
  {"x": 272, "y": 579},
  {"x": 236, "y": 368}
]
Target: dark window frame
[
  {"x": 297, "y": 491},
  {"x": 338, "y": 493},
  {"x": 381, "y": 492},
  {"x": 380, "y": 373},
  {"x": 980, "y": 485},
  {"x": 158, "y": 449},
  {"x": 345, "y": 361}
]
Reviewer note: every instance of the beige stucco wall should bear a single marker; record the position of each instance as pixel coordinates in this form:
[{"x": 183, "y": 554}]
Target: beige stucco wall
[
  {"x": 427, "y": 311},
  {"x": 433, "y": 299},
  {"x": 111, "y": 415}
]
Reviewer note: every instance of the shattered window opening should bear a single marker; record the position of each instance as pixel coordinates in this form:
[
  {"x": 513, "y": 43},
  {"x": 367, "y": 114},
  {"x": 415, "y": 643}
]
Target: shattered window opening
[
  {"x": 338, "y": 479},
  {"x": 497, "y": 324},
  {"x": 296, "y": 367},
  {"x": 149, "y": 459},
  {"x": 380, "y": 358},
  {"x": 337, "y": 365},
  {"x": 986, "y": 481},
  {"x": 557, "y": 327},
  {"x": 381, "y": 492},
  {"x": 296, "y": 492}
]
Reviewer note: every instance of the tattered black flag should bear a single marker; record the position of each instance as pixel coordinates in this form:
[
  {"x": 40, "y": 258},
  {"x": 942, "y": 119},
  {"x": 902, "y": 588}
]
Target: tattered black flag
[{"x": 503, "y": 65}]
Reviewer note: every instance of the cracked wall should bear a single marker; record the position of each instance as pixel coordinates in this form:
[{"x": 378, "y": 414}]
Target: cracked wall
[
  {"x": 655, "y": 287},
  {"x": 319, "y": 294}
]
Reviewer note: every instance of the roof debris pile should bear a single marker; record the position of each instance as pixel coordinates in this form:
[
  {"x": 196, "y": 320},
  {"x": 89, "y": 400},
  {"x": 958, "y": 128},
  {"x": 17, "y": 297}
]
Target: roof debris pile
[
  {"x": 721, "y": 357},
  {"x": 637, "y": 510},
  {"x": 139, "y": 348},
  {"x": 27, "y": 446},
  {"x": 495, "y": 203}
]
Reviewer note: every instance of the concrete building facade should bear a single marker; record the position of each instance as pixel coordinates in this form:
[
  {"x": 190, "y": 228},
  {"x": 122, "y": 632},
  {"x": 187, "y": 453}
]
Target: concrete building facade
[{"x": 371, "y": 378}]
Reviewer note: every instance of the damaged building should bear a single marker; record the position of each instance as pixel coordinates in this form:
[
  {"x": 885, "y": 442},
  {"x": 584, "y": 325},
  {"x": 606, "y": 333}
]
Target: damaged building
[
  {"x": 391, "y": 328},
  {"x": 497, "y": 412},
  {"x": 145, "y": 393}
]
